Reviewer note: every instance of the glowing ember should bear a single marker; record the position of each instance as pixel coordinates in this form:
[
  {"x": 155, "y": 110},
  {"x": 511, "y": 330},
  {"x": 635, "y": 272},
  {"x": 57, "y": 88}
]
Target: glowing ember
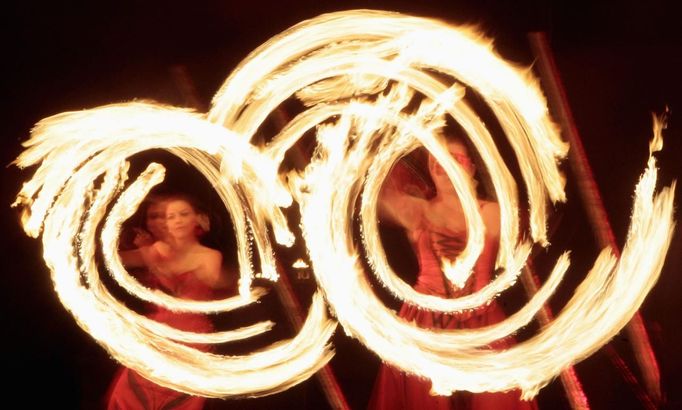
[{"x": 357, "y": 72}]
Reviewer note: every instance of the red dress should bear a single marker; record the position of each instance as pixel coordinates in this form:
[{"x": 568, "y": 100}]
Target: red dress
[
  {"x": 395, "y": 389},
  {"x": 131, "y": 391}
]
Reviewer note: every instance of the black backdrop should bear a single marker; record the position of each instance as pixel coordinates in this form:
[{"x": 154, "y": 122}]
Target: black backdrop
[{"x": 619, "y": 62}]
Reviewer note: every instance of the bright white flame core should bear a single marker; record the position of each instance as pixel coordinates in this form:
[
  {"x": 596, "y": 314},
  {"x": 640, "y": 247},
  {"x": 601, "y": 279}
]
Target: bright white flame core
[
  {"x": 97, "y": 142},
  {"x": 357, "y": 72}
]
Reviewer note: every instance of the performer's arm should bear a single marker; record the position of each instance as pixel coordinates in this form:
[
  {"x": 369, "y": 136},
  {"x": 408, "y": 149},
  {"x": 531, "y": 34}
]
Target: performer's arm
[
  {"x": 490, "y": 212},
  {"x": 399, "y": 207}
]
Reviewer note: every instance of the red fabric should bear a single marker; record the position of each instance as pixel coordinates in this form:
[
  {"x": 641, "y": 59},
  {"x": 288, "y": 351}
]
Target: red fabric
[
  {"x": 395, "y": 389},
  {"x": 129, "y": 390}
]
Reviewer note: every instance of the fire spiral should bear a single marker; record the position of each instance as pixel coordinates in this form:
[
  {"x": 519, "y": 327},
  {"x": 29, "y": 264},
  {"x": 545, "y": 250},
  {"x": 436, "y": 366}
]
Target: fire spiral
[
  {"x": 375, "y": 86},
  {"x": 74, "y": 150}
]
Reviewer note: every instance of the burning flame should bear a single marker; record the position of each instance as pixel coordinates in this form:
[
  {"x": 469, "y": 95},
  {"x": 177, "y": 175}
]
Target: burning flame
[
  {"x": 300, "y": 264},
  {"x": 73, "y": 150},
  {"x": 358, "y": 74}
]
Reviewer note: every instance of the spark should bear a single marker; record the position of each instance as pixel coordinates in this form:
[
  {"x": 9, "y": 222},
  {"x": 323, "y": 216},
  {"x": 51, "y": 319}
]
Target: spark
[{"x": 300, "y": 264}]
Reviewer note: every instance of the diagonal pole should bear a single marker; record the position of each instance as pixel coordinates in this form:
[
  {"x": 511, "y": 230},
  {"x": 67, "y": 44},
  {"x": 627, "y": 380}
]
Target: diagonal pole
[
  {"x": 325, "y": 376},
  {"x": 569, "y": 379},
  {"x": 285, "y": 291},
  {"x": 594, "y": 208}
]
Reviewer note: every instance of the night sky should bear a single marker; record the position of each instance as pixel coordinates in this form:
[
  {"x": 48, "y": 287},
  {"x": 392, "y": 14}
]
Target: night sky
[{"x": 619, "y": 61}]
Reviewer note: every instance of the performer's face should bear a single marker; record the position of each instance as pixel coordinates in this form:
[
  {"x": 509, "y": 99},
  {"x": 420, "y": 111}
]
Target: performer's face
[
  {"x": 459, "y": 152},
  {"x": 156, "y": 220},
  {"x": 181, "y": 218}
]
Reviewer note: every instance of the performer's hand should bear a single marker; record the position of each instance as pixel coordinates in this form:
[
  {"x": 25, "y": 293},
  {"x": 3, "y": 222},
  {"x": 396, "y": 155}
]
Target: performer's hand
[{"x": 142, "y": 238}]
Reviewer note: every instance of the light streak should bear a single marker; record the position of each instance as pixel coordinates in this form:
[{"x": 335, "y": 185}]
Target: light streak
[
  {"x": 97, "y": 142},
  {"x": 357, "y": 72},
  {"x": 300, "y": 264},
  {"x": 357, "y": 84}
]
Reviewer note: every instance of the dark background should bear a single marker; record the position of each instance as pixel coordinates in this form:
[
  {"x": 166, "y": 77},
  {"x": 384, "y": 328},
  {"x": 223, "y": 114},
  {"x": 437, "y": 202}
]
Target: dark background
[{"x": 619, "y": 61}]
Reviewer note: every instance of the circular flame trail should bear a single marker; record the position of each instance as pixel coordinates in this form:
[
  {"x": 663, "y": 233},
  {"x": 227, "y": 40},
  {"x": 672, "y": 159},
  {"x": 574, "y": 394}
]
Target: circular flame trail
[
  {"x": 358, "y": 73},
  {"x": 74, "y": 150}
]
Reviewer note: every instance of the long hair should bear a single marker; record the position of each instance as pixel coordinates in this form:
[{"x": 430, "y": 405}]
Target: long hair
[{"x": 138, "y": 221}]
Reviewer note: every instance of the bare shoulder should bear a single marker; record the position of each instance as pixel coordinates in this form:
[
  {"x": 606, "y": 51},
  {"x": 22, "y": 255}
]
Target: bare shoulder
[
  {"x": 160, "y": 248},
  {"x": 490, "y": 212},
  {"x": 210, "y": 254},
  {"x": 209, "y": 270}
]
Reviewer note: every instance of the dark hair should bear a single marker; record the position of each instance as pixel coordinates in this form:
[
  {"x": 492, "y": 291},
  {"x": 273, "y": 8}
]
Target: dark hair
[
  {"x": 138, "y": 220},
  {"x": 192, "y": 201},
  {"x": 219, "y": 237}
]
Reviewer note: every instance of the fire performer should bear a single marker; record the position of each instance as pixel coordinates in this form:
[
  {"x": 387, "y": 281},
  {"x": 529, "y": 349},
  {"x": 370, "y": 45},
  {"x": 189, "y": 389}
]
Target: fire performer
[
  {"x": 180, "y": 265},
  {"x": 436, "y": 228}
]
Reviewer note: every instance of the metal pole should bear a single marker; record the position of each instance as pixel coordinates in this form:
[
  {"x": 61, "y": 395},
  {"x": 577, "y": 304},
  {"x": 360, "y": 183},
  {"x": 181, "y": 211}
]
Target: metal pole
[
  {"x": 285, "y": 292},
  {"x": 569, "y": 379},
  {"x": 325, "y": 376},
  {"x": 592, "y": 200}
]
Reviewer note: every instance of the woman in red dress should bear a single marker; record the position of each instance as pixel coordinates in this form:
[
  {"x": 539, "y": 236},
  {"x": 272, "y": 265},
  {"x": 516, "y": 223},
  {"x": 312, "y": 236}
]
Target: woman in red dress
[
  {"x": 437, "y": 229},
  {"x": 181, "y": 266}
]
